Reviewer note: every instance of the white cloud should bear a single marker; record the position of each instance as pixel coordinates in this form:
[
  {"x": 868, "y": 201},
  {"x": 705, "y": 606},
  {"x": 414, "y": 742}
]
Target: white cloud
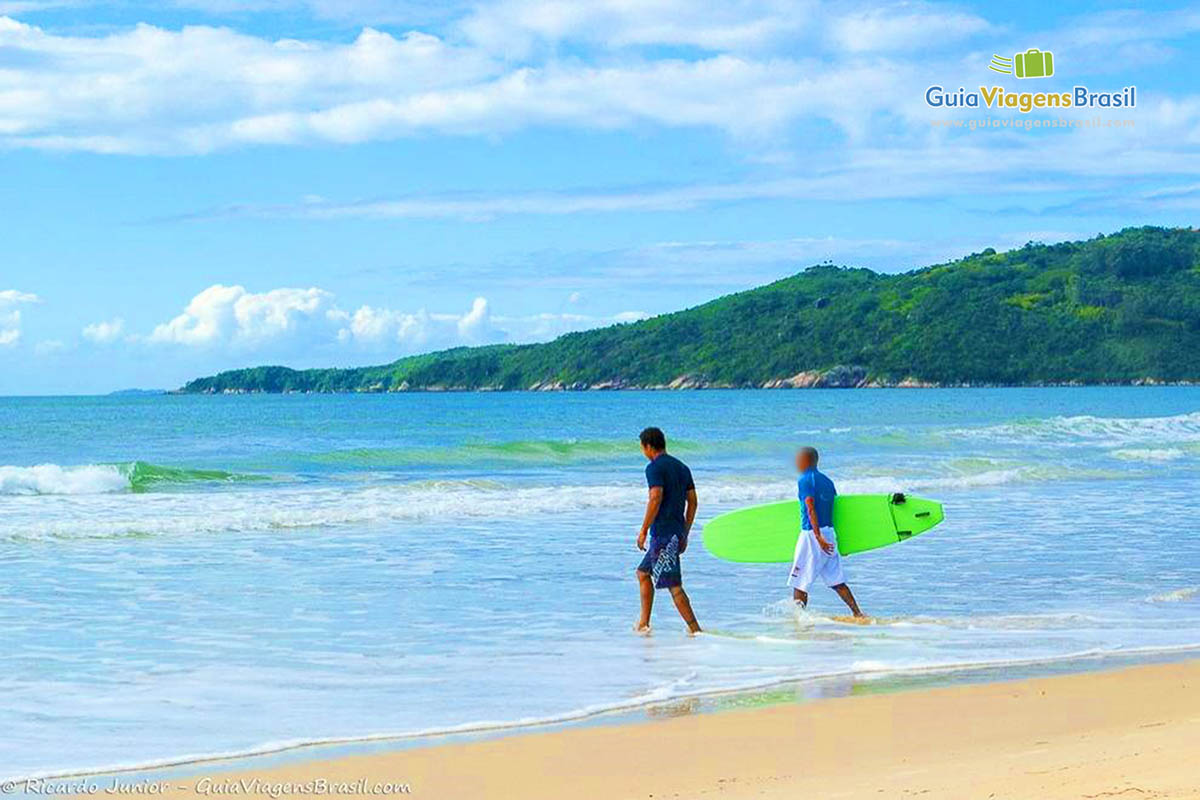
[
  {"x": 963, "y": 166},
  {"x": 518, "y": 26},
  {"x": 199, "y": 88},
  {"x": 371, "y": 327},
  {"x": 10, "y": 314},
  {"x": 763, "y": 65},
  {"x": 104, "y": 332},
  {"x": 901, "y": 27},
  {"x": 221, "y": 314},
  {"x": 764, "y": 72},
  {"x": 420, "y": 330},
  {"x": 545, "y": 326},
  {"x": 1120, "y": 26},
  {"x": 291, "y": 321},
  {"x": 377, "y": 11},
  {"x": 476, "y": 325},
  {"x": 9, "y": 7},
  {"x": 667, "y": 198},
  {"x": 13, "y": 297}
]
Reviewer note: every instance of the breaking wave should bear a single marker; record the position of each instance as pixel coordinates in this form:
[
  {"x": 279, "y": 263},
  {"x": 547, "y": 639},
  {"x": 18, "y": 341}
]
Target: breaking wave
[
  {"x": 135, "y": 476},
  {"x": 124, "y": 501},
  {"x": 55, "y": 479},
  {"x": 1091, "y": 430}
]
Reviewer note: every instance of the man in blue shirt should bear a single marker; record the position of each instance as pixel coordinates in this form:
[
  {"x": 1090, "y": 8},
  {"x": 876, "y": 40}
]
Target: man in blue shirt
[
  {"x": 816, "y": 549},
  {"x": 670, "y": 510}
]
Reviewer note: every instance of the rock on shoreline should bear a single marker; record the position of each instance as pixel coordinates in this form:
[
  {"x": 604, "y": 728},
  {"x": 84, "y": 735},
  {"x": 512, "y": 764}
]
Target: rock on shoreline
[{"x": 838, "y": 377}]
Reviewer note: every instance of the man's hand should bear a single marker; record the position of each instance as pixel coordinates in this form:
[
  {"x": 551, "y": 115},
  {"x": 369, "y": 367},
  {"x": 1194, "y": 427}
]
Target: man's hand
[
  {"x": 653, "y": 501},
  {"x": 810, "y": 504},
  {"x": 683, "y": 540}
]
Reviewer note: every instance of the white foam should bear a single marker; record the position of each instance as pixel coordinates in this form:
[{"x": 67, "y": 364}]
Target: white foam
[
  {"x": 1092, "y": 430},
  {"x": 865, "y": 669},
  {"x": 111, "y": 510},
  {"x": 1154, "y": 455},
  {"x": 1176, "y": 596},
  {"x": 313, "y": 506},
  {"x": 885, "y": 484},
  {"x": 56, "y": 479}
]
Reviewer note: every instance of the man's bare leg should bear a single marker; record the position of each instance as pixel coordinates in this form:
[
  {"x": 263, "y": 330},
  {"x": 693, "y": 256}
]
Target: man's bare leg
[
  {"x": 684, "y": 606},
  {"x": 800, "y": 597},
  {"x": 646, "y": 590},
  {"x": 843, "y": 591}
]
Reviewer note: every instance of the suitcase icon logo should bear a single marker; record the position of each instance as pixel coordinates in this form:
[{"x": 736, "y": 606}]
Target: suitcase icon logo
[{"x": 1033, "y": 63}]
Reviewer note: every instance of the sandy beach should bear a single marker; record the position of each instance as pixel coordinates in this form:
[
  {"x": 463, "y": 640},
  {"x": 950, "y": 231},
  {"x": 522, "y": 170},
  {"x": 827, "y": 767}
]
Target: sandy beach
[{"x": 1128, "y": 733}]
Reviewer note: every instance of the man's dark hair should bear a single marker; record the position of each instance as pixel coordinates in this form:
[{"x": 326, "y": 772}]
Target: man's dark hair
[
  {"x": 812, "y": 454},
  {"x": 654, "y": 438}
]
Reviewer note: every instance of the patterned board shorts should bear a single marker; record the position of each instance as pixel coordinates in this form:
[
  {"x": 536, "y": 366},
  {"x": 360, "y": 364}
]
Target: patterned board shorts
[{"x": 661, "y": 563}]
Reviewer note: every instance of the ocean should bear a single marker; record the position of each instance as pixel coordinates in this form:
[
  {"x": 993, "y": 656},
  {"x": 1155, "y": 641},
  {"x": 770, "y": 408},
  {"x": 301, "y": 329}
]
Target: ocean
[{"x": 183, "y": 576}]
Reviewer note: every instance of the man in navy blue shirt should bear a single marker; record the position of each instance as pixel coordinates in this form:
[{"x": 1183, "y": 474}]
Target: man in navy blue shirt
[
  {"x": 816, "y": 549},
  {"x": 670, "y": 510}
]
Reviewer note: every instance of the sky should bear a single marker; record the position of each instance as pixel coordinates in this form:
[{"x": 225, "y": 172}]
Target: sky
[{"x": 195, "y": 185}]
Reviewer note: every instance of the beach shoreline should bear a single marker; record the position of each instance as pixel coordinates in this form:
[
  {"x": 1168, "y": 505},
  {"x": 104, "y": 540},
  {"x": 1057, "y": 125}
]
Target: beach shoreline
[
  {"x": 1124, "y": 732},
  {"x": 341, "y": 579}
]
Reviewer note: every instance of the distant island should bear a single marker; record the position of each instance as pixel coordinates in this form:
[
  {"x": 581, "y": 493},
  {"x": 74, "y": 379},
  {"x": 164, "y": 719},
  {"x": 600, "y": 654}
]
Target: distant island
[
  {"x": 1123, "y": 308},
  {"x": 136, "y": 392}
]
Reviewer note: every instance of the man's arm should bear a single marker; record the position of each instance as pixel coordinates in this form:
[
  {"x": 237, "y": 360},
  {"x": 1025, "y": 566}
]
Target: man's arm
[
  {"x": 810, "y": 503},
  {"x": 652, "y": 504},
  {"x": 693, "y": 503}
]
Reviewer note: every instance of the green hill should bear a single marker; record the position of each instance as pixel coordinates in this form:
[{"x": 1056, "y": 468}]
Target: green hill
[{"x": 1120, "y": 308}]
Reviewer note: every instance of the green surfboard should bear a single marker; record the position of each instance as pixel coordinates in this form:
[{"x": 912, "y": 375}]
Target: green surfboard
[{"x": 762, "y": 534}]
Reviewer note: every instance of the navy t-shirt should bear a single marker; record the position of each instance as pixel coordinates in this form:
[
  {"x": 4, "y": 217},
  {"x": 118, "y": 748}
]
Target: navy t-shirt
[
  {"x": 675, "y": 479},
  {"x": 816, "y": 485}
]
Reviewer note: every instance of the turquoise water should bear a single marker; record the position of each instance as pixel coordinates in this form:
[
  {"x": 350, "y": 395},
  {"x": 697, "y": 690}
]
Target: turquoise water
[{"x": 184, "y": 576}]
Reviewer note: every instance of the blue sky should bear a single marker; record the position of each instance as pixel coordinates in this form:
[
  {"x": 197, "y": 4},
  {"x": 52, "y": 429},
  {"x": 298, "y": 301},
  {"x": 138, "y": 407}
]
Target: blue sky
[{"x": 203, "y": 184}]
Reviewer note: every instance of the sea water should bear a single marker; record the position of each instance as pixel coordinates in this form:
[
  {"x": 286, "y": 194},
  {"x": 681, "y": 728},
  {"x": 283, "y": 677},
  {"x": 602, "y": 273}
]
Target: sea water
[{"x": 182, "y": 576}]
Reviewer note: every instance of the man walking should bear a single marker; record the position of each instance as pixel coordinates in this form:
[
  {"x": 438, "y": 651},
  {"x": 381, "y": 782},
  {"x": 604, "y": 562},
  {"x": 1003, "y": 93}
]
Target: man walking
[
  {"x": 816, "y": 549},
  {"x": 670, "y": 511}
]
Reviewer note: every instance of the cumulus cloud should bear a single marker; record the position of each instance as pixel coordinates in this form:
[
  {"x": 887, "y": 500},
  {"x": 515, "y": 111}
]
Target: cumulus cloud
[
  {"x": 104, "y": 332},
  {"x": 419, "y": 330},
  {"x": 232, "y": 314},
  {"x": 476, "y": 325},
  {"x": 10, "y": 314},
  {"x": 272, "y": 321}
]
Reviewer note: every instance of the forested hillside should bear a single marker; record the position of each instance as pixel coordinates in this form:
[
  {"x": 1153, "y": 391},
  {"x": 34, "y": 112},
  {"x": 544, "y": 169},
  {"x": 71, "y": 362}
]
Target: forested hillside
[{"x": 1119, "y": 308}]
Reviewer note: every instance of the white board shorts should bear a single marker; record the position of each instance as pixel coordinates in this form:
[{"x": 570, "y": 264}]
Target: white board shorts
[{"x": 812, "y": 563}]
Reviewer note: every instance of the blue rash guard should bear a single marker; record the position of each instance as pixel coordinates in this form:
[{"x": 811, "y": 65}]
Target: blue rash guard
[{"x": 816, "y": 484}]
